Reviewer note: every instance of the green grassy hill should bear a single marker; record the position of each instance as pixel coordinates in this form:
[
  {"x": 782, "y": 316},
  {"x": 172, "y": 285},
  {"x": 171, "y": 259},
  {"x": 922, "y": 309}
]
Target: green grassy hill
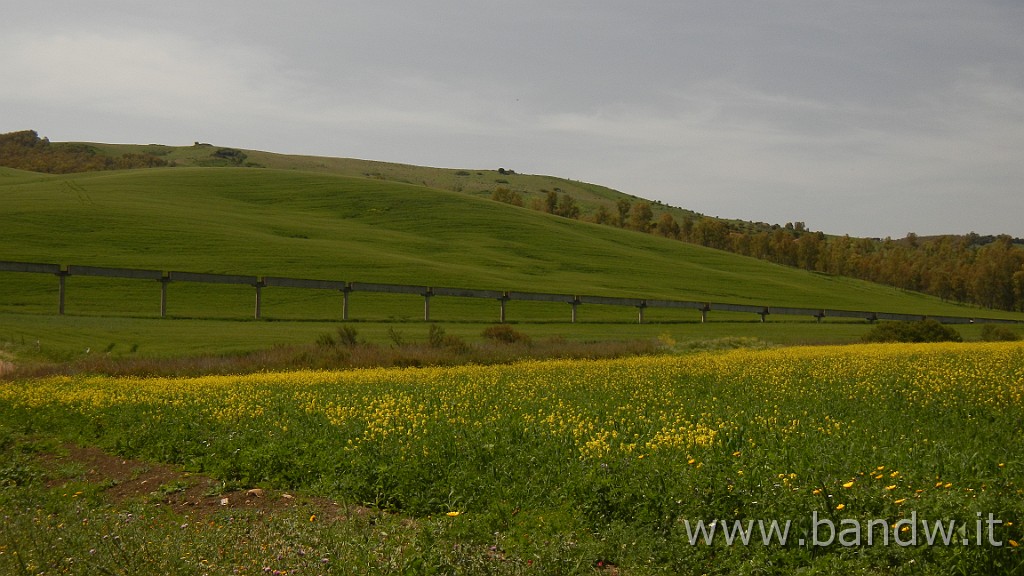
[
  {"x": 294, "y": 223},
  {"x": 476, "y": 182}
]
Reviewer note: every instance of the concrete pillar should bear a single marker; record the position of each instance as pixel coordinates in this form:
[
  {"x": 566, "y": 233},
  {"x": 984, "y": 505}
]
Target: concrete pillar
[
  {"x": 640, "y": 315},
  {"x": 574, "y": 304},
  {"x": 344, "y": 302},
  {"x": 426, "y": 306},
  {"x": 703, "y": 315},
  {"x": 259, "y": 299},
  {"x": 502, "y": 301},
  {"x": 163, "y": 296},
  {"x": 62, "y": 280}
]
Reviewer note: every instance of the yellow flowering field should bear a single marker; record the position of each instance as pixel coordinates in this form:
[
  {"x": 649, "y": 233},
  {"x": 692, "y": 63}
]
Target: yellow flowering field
[{"x": 624, "y": 454}]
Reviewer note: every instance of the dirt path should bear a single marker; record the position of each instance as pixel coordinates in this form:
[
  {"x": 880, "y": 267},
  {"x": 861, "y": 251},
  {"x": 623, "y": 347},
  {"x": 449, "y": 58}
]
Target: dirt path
[{"x": 164, "y": 485}]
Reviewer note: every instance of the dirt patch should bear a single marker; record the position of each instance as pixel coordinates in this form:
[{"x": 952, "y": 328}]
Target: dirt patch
[{"x": 186, "y": 493}]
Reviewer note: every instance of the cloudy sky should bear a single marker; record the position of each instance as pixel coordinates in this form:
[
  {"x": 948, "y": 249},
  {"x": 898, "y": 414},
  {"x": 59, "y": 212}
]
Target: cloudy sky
[{"x": 872, "y": 118}]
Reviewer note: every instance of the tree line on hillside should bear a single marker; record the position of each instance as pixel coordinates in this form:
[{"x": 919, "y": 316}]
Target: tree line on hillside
[
  {"x": 968, "y": 269},
  {"x": 25, "y": 150}
]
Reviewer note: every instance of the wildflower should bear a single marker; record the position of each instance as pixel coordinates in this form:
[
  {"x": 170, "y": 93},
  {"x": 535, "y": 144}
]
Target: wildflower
[
  {"x": 454, "y": 513},
  {"x": 848, "y": 484},
  {"x": 1014, "y": 543},
  {"x": 841, "y": 507},
  {"x": 816, "y": 491},
  {"x": 891, "y": 487},
  {"x": 312, "y": 518},
  {"x": 900, "y": 501}
]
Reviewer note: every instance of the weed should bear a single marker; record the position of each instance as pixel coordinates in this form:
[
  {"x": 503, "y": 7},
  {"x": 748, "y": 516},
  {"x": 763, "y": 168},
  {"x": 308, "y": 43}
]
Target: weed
[
  {"x": 396, "y": 337},
  {"x": 435, "y": 336},
  {"x": 505, "y": 334},
  {"x": 19, "y": 470},
  {"x": 347, "y": 335}
]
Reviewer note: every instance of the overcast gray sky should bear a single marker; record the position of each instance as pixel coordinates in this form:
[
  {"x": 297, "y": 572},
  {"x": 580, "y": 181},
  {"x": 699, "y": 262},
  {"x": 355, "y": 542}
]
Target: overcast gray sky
[{"x": 872, "y": 118}]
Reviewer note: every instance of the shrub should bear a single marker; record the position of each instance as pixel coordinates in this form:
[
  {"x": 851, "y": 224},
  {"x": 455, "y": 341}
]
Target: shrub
[
  {"x": 505, "y": 334},
  {"x": 994, "y": 333},
  {"x": 438, "y": 339},
  {"x": 347, "y": 336},
  {"x": 921, "y": 331},
  {"x": 396, "y": 337},
  {"x": 503, "y": 194},
  {"x": 435, "y": 336}
]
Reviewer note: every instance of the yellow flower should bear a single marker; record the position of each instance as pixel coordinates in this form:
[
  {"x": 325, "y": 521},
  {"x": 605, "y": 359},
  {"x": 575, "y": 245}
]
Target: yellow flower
[
  {"x": 816, "y": 491},
  {"x": 848, "y": 484},
  {"x": 841, "y": 506},
  {"x": 454, "y": 513},
  {"x": 1014, "y": 543},
  {"x": 312, "y": 518},
  {"x": 900, "y": 501},
  {"x": 892, "y": 487}
]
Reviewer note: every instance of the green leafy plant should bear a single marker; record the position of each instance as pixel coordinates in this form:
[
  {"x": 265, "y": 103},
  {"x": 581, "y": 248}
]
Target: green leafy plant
[
  {"x": 922, "y": 331},
  {"x": 505, "y": 334}
]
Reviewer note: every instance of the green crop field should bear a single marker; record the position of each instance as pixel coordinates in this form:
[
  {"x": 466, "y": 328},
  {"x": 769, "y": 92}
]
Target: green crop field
[{"x": 871, "y": 459}]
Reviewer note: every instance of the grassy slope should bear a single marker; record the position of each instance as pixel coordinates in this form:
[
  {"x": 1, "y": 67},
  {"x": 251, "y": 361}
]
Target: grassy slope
[
  {"x": 320, "y": 225},
  {"x": 476, "y": 182},
  {"x": 325, "y": 226}
]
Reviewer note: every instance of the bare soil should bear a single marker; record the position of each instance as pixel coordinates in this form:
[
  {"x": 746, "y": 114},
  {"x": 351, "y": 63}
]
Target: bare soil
[{"x": 183, "y": 492}]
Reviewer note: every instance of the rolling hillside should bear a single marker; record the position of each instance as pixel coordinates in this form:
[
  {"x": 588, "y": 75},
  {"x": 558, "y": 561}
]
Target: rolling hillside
[
  {"x": 322, "y": 225},
  {"x": 476, "y": 182}
]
